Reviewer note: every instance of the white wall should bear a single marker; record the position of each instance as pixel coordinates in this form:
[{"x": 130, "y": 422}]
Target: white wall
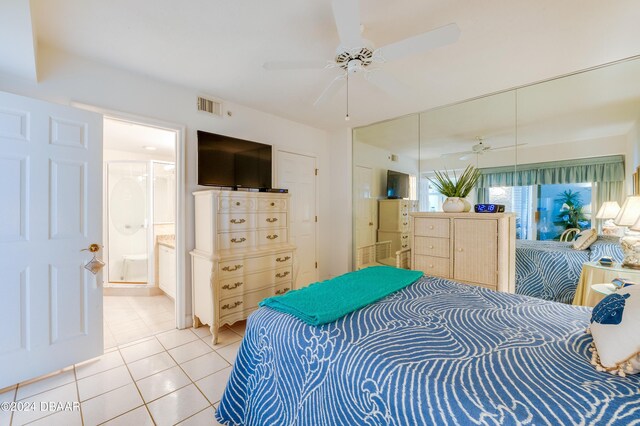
[
  {"x": 65, "y": 78},
  {"x": 633, "y": 154}
]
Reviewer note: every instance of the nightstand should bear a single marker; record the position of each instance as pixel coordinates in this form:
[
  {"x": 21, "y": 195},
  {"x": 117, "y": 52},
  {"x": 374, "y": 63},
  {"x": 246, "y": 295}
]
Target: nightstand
[{"x": 591, "y": 289}]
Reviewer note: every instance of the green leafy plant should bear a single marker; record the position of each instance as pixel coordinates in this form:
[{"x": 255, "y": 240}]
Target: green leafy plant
[
  {"x": 571, "y": 213},
  {"x": 456, "y": 186}
]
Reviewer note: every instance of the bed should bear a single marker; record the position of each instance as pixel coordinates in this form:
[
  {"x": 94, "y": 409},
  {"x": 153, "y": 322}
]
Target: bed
[
  {"x": 551, "y": 270},
  {"x": 435, "y": 352}
]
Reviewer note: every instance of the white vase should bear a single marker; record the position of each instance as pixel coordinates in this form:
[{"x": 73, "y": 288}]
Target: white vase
[
  {"x": 453, "y": 205},
  {"x": 467, "y": 205}
]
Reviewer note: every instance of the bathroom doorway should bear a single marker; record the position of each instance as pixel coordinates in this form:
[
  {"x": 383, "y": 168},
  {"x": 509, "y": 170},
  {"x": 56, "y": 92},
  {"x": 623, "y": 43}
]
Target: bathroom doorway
[{"x": 140, "y": 211}]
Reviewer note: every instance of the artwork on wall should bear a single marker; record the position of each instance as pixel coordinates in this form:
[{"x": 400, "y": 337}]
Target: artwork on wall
[{"x": 636, "y": 181}]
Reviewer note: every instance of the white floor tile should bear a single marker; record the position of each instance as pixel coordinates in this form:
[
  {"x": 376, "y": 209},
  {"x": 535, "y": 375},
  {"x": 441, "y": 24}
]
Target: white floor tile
[
  {"x": 141, "y": 350},
  {"x": 151, "y": 365},
  {"x": 44, "y": 383},
  {"x": 204, "y": 365},
  {"x": 103, "y": 382},
  {"x": 138, "y": 417},
  {"x": 160, "y": 384},
  {"x": 225, "y": 338},
  {"x": 97, "y": 365},
  {"x": 6, "y": 396},
  {"x": 130, "y": 336},
  {"x": 63, "y": 418},
  {"x": 203, "y": 418},
  {"x": 162, "y": 326},
  {"x": 189, "y": 351},
  {"x": 177, "y": 406},
  {"x": 202, "y": 331},
  {"x": 110, "y": 405},
  {"x": 173, "y": 338},
  {"x": 230, "y": 352},
  {"x": 63, "y": 394},
  {"x": 213, "y": 386}
]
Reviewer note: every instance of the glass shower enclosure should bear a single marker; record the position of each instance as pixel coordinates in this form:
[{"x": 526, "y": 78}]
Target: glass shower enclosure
[{"x": 140, "y": 207}]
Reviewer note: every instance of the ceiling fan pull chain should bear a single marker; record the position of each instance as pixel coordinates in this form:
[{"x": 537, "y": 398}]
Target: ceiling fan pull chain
[{"x": 346, "y": 118}]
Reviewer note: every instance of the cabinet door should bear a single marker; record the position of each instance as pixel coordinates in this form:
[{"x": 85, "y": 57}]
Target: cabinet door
[{"x": 476, "y": 251}]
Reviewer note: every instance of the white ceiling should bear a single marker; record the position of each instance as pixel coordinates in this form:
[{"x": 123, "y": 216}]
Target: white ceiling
[
  {"x": 134, "y": 138},
  {"x": 218, "y": 47}
]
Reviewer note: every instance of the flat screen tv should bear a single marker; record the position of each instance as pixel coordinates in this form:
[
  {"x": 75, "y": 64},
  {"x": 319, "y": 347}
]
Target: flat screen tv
[
  {"x": 397, "y": 185},
  {"x": 230, "y": 162}
]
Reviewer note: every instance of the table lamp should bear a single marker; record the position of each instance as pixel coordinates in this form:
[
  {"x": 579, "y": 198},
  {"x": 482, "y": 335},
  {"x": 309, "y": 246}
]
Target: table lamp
[
  {"x": 607, "y": 212},
  {"x": 628, "y": 217}
]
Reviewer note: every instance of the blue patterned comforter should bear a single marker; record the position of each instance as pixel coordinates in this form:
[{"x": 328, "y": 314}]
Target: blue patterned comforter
[
  {"x": 436, "y": 352},
  {"x": 551, "y": 270}
]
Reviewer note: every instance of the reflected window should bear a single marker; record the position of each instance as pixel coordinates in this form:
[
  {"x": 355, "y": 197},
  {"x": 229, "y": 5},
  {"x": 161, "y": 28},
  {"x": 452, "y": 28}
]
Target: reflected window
[
  {"x": 517, "y": 199},
  {"x": 430, "y": 199}
]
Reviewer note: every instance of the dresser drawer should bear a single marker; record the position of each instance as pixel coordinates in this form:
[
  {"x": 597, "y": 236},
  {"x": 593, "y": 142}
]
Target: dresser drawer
[
  {"x": 429, "y": 227},
  {"x": 232, "y": 268},
  {"x": 236, "y": 240},
  {"x": 272, "y": 204},
  {"x": 254, "y": 281},
  {"x": 236, "y": 204},
  {"x": 430, "y": 246},
  {"x": 236, "y": 221},
  {"x": 436, "y": 266},
  {"x": 283, "y": 288},
  {"x": 272, "y": 236},
  {"x": 272, "y": 220},
  {"x": 241, "y": 302}
]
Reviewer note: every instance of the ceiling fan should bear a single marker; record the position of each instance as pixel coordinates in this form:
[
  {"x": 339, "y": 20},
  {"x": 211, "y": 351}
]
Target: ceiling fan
[
  {"x": 478, "y": 149},
  {"x": 358, "y": 55}
]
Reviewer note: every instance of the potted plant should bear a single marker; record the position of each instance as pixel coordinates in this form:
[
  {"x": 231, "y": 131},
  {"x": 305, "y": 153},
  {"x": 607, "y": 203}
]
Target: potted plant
[
  {"x": 456, "y": 188},
  {"x": 571, "y": 213}
]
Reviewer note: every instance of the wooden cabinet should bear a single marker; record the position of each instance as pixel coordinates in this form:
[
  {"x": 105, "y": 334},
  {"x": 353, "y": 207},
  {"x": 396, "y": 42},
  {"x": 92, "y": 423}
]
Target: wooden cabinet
[
  {"x": 167, "y": 269},
  {"x": 474, "y": 248},
  {"x": 393, "y": 222},
  {"x": 242, "y": 254}
]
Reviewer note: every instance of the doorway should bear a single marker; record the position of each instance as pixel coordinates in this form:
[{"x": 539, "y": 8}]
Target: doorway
[{"x": 140, "y": 193}]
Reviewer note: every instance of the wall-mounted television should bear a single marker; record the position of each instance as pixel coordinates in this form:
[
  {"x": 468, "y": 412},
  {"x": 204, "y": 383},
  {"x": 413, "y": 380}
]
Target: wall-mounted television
[
  {"x": 229, "y": 162},
  {"x": 397, "y": 185}
]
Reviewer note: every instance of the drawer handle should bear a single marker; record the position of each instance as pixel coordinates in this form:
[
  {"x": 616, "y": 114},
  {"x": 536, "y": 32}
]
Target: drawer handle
[
  {"x": 282, "y": 275},
  {"x": 236, "y": 221},
  {"x": 230, "y": 269},
  {"x": 405, "y": 237},
  {"x": 405, "y": 223},
  {"x": 235, "y": 305},
  {"x": 282, "y": 291},
  {"x": 272, "y": 237},
  {"x": 273, "y": 204},
  {"x": 430, "y": 226},
  {"x": 460, "y": 249},
  {"x": 430, "y": 247},
  {"x": 430, "y": 266},
  {"x": 237, "y": 203},
  {"x": 283, "y": 259},
  {"x": 238, "y": 240},
  {"x": 229, "y": 287},
  {"x": 404, "y": 214},
  {"x": 272, "y": 219}
]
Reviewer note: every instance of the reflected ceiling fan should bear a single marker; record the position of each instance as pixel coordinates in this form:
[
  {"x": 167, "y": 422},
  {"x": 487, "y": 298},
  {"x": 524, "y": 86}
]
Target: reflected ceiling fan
[
  {"x": 358, "y": 55},
  {"x": 478, "y": 149}
]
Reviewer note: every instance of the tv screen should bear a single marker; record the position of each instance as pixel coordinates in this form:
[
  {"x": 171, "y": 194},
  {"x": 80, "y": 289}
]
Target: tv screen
[
  {"x": 397, "y": 185},
  {"x": 230, "y": 162}
]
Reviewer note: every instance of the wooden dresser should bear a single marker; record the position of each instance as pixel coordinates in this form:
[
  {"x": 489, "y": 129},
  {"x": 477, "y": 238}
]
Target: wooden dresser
[
  {"x": 475, "y": 248},
  {"x": 242, "y": 254},
  {"x": 393, "y": 222}
]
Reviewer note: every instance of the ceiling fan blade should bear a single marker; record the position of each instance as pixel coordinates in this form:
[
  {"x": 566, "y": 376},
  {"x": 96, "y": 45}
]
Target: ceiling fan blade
[
  {"x": 296, "y": 65},
  {"x": 507, "y": 147},
  {"x": 347, "y": 16},
  {"x": 333, "y": 87},
  {"x": 387, "y": 83},
  {"x": 420, "y": 43}
]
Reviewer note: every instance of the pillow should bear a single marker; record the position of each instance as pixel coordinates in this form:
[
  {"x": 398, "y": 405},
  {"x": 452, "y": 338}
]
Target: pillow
[
  {"x": 615, "y": 322},
  {"x": 585, "y": 239}
]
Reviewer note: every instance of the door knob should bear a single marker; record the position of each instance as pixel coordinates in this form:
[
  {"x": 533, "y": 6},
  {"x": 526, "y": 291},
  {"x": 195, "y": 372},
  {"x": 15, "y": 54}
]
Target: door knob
[{"x": 95, "y": 265}]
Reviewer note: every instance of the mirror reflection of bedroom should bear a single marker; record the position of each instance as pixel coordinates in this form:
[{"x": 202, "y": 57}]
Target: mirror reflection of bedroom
[{"x": 559, "y": 155}]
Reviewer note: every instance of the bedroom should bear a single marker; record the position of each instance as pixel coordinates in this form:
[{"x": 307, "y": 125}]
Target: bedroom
[{"x": 87, "y": 74}]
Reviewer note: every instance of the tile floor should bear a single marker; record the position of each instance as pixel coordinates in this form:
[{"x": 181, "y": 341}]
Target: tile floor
[{"x": 166, "y": 378}]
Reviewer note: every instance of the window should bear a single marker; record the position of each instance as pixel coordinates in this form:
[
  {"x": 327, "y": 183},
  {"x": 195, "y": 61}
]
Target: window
[{"x": 430, "y": 199}]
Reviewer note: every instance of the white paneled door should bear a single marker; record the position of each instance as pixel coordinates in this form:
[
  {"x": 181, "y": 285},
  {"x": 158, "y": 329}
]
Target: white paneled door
[
  {"x": 297, "y": 173},
  {"x": 365, "y": 206},
  {"x": 50, "y": 209}
]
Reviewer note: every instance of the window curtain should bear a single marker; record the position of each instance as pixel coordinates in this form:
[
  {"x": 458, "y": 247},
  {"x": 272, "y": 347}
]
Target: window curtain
[{"x": 606, "y": 175}]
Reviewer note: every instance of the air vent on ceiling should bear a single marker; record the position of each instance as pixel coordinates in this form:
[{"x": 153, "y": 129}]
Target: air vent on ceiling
[{"x": 210, "y": 106}]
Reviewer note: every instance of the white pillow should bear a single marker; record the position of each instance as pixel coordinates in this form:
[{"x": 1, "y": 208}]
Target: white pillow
[
  {"x": 585, "y": 239},
  {"x": 615, "y": 327}
]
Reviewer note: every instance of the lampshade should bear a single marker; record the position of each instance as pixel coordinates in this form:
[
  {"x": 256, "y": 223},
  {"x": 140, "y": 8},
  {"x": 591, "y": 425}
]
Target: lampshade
[
  {"x": 608, "y": 210},
  {"x": 629, "y": 212}
]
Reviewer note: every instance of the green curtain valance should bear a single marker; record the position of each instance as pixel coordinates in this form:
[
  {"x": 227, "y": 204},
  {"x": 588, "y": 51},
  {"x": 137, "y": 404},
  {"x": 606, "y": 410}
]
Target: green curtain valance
[{"x": 598, "y": 169}]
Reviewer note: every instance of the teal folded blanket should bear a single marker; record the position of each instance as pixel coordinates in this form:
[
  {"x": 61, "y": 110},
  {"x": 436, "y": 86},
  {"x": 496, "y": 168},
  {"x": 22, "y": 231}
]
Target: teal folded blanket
[{"x": 326, "y": 301}]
